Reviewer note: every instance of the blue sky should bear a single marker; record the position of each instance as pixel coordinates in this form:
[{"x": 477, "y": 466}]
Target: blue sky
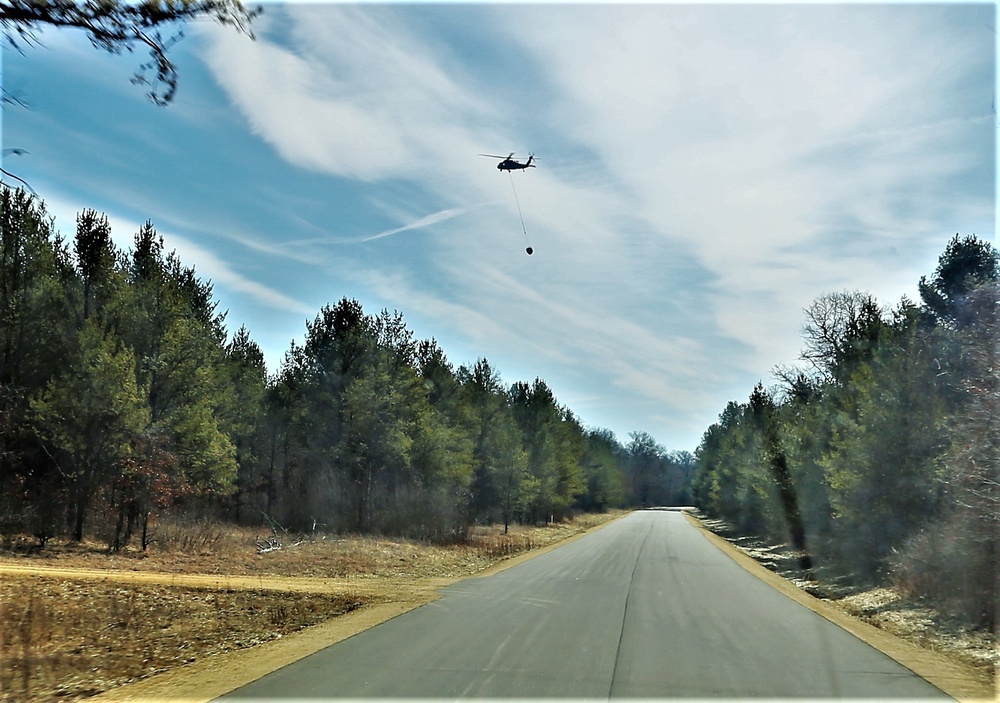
[{"x": 704, "y": 173}]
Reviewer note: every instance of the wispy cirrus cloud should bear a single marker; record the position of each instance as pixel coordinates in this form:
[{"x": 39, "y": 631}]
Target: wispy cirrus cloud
[
  {"x": 704, "y": 172},
  {"x": 742, "y": 171},
  {"x": 426, "y": 221},
  {"x": 723, "y": 168},
  {"x": 354, "y": 93},
  {"x": 421, "y": 223}
]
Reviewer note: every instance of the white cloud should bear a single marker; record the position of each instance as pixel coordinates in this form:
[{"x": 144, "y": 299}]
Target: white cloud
[
  {"x": 352, "y": 95},
  {"x": 742, "y": 161},
  {"x": 716, "y": 108}
]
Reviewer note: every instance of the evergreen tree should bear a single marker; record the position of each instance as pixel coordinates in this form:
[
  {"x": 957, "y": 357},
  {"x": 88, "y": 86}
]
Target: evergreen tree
[
  {"x": 90, "y": 416},
  {"x": 245, "y": 411},
  {"x": 554, "y": 444},
  {"x": 966, "y": 263},
  {"x": 501, "y": 484},
  {"x": 605, "y": 480}
]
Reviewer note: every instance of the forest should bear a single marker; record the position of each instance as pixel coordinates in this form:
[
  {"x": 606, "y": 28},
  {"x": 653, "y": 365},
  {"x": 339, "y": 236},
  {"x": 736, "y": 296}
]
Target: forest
[
  {"x": 124, "y": 399},
  {"x": 878, "y": 459}
]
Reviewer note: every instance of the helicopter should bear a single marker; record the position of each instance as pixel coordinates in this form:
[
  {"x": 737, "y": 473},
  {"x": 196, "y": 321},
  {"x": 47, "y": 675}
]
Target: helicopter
[{"x": 509, "y": 163}]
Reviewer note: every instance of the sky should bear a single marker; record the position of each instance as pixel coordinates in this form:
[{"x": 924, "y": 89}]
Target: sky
[{"x": 704, "y": 172}]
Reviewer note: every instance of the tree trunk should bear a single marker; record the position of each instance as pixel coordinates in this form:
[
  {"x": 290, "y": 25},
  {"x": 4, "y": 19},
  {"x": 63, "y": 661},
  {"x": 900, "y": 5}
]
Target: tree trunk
[
  {"x": 145, "y": 530},
  {"x": 78, "y": 518}
]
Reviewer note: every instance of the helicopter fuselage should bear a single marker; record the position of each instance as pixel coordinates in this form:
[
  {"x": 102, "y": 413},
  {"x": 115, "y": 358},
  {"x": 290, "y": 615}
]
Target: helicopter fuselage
[
  {"x": 512, "y": 165},
  {"x": 509, "y": 163}
]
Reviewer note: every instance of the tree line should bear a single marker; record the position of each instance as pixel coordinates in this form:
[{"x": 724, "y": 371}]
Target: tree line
[
  {"x": 877, "y": 457},
  {"x": 123, "y": 397}
]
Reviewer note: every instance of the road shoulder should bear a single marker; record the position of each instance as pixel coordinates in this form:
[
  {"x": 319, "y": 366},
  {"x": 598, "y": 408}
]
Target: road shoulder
[{"x": 955, "y": 678}]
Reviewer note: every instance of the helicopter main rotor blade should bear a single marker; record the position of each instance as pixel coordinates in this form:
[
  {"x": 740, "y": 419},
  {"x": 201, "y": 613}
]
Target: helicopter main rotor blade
[{"x": 494, "y": 156}]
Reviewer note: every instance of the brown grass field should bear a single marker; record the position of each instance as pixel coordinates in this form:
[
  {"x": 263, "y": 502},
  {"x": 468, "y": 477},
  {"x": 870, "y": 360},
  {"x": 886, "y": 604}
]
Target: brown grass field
[{"x": 78, "y": 621}]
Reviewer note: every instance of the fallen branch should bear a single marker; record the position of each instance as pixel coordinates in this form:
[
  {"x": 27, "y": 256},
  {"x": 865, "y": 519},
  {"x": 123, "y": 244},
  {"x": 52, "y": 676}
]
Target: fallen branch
[{"x": 273, "y": 544}]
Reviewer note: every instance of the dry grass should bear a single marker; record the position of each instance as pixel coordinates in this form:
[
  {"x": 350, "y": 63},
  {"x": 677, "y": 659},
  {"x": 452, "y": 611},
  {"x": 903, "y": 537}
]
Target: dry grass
[
  {"x": 212, "y": 548},
  {"x": 66, "y": 639},
  {"x": 888, "y": 610}
]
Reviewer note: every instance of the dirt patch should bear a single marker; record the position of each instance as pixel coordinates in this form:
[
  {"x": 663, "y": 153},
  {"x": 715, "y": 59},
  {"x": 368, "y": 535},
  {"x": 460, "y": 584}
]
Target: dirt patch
[
  {"x": 78, "y": 622},
  {"x": 942, "y": 658}
]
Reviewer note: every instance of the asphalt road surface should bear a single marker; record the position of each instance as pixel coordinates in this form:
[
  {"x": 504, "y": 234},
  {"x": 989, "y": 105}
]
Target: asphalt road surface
[{"x": 645, "y": 607}]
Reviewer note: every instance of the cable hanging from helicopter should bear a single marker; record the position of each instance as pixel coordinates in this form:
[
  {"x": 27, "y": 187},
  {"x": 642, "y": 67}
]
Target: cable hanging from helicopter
[{"x": 510, "y": 164}]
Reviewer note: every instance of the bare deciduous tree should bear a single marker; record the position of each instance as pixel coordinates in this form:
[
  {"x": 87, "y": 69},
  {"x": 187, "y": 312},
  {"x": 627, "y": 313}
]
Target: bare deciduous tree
[{"x": 840, "y": 328}]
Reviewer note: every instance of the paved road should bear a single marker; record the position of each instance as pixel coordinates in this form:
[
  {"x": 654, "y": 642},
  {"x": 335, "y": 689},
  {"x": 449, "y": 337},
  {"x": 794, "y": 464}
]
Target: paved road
[{"x": 645, "y": 607}]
